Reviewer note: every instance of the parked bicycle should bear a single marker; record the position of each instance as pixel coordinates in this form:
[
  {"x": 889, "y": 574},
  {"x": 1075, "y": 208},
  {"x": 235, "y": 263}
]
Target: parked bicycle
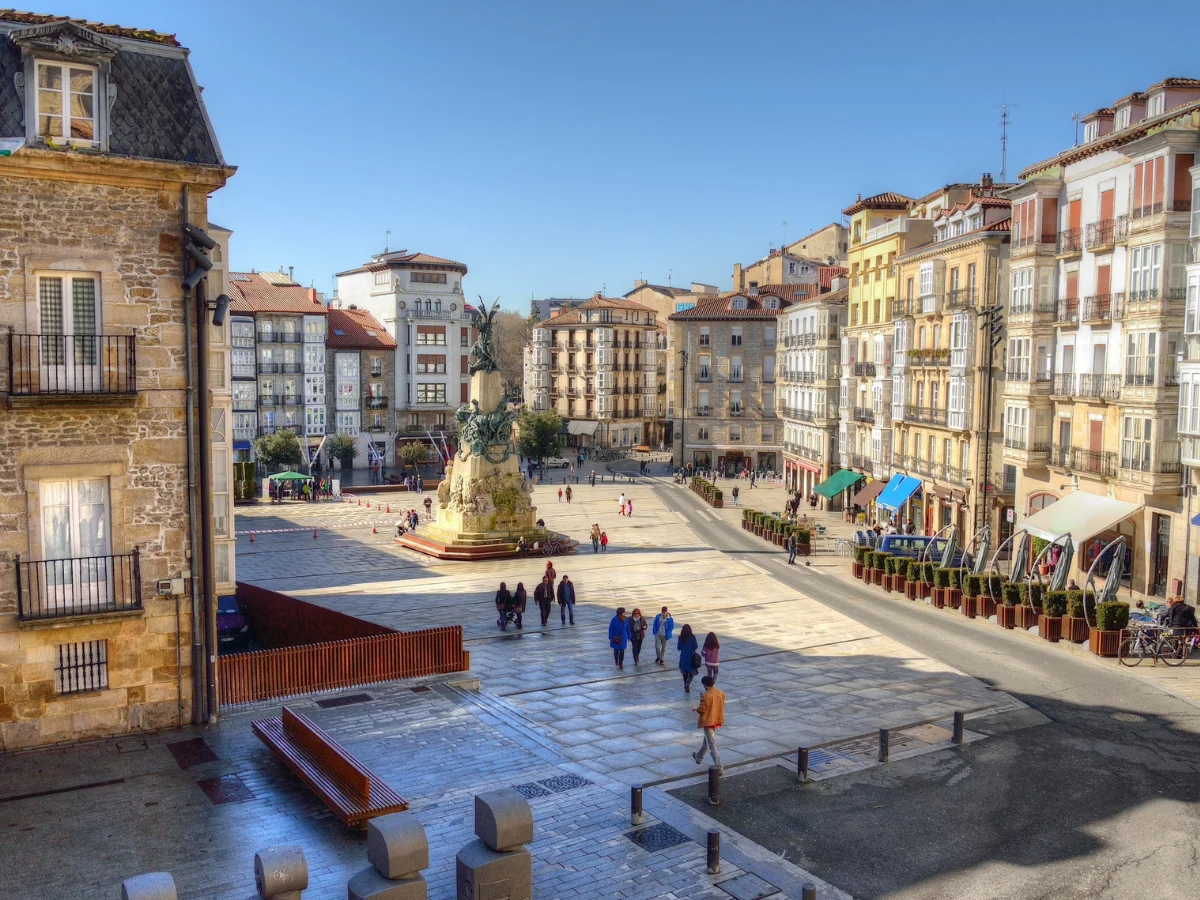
[
  {"x": 1174, "y": 649},
  {"x": 1150, "y": 641}
]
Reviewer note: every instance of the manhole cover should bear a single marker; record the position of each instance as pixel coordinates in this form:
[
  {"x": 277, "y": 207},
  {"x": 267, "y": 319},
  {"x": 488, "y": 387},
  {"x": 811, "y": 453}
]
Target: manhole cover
[
  {"x": 564, "y": 783},
  {"x": 657, "y": 837},
  {"x": 1128, "y": 717},
  {"x": 225, "y": 789},
  {"x": 348, "y": 700},
  {"x": 531, "y": 790}
]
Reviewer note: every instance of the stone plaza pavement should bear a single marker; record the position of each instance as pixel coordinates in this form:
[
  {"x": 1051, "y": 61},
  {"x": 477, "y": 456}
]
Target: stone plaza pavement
[{"x": 553, "y": 717}]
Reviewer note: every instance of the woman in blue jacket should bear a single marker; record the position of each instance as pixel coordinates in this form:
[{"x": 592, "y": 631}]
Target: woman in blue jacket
[
  {"x": 618, "y": 636},
  {"x": 687, "y": 656}
]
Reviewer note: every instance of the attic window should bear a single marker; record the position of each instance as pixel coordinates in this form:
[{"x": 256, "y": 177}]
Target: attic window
[
  {"x": 370, "y": 332},
  {"x": 738, "y": 303},
  {"x": 1156, "y": 105},
  {"x": 1089, "y": 132},
  {"x": 1122, "y": 119},
  {"x": 66, "y": 102},
  {"x": 339, "y": 332}
]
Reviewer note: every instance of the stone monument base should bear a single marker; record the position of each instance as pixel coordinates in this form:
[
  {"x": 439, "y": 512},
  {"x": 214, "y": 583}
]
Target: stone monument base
[{"x": 433, "y": 541}]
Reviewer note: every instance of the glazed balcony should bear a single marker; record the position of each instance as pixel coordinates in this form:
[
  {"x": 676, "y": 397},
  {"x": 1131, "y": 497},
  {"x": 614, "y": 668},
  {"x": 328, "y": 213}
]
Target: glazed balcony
[
  {"x": 1025, "y": 454},
  {"x": 1069, "y": 242},
  {"x": 1152, "y": 467},
  {"x": 1146, "y": 383},
  {"x": 1155, "y": 302},
  {"x": 1159, "y": 216},
  {"x": 80, "y": 586},
  {"x": 1106, "y": 234},
  {"x": 1033, "y": 245},
  {"x": 1023, "y": 381},
  {"x": 67, "y": 368},
  {"x": 929, "y": 305}
]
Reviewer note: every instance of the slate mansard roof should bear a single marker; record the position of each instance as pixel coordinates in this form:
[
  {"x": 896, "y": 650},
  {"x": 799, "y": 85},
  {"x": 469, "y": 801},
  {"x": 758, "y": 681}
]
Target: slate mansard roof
[{"x": 154, "y": 110}]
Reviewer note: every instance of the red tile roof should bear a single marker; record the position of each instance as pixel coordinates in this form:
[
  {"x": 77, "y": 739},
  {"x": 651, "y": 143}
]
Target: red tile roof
[
  {"x": 722, "y": 308},
  {"x": 596, "y": 302},
  {"x": 662, "y": 289},
  {"x": 402, "y": 259},
  {"x": 356, "y": 329},
  {"x": 887, "y": 200},
  {"x": 789, "y": 292},
  {"x": 250, "y": 292},
  {"x": 135, "y": 34},
  {"x": 826, "y": 274}
]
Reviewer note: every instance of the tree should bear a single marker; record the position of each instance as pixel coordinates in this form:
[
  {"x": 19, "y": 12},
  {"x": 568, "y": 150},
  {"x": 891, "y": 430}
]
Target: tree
[
  {"x": 539, "y": 435},
  {"x": 514, "y": 333},
  {"x": 280, "y": 448},
  {"x": 341, "y": 447},
  {"x": 415, "y": 453}
]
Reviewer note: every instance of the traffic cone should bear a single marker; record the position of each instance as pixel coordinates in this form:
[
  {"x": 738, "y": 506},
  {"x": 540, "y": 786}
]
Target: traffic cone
[
  {"x": 389, "y": 509},
  {"x": 252, "y": 537},
  {"x": 368, "y": 504},
  {"x": 314, "y": 534},
  {"x": 360, "y": 503},
  {"x": 374, "y": 530}
]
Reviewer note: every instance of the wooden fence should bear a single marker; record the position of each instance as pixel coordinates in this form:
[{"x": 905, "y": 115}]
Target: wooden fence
[
  {"x": 277, "y": 620},
  {"x": 288, "y": 671}
]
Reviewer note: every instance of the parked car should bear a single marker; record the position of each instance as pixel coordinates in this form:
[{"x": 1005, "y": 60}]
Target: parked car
[
  {"x": 913, "y": 546},
  {"x": 557, "y": 462},
  {"x": 233, "y": 633}
]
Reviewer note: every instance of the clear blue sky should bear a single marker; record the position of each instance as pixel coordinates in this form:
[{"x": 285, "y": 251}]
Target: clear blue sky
[{"x": 558, "y": 147}]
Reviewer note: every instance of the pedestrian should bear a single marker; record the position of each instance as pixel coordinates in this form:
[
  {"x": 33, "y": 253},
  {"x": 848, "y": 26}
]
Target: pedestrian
[
  {"x": 753, "y": 478},
  {"x": 595, "y": 538},
  {"x": 735, "y": 495},
  {"x": 604, "y": 542},
  {"x": 550, "y": 573},
  {"x": 618, "y": 636},
  {"x": 629, "y": 507},
  {"x": 568, "y": 493},
  {"x": 711, "y": 717},
  {"x": 503, "y": 606},
  {"x": 566, "y": 600},
  {"x": 689, "y": 659},
  {"x": 560, "y": 495},
  {"x": 637, "y": 633},
  {"x": 791, "y": 548},
  {"x": 711, "y": 654},
  {"x": 592, "y": 478},
  {"x": 520, "y": 598},
  {"x": 621, "y": 504},
  {"x": 543, "y": 596},
  {"x": 429, "y": 509},
  {"x": 662, "y": 628},
  {"x": 912, "y": 527}
]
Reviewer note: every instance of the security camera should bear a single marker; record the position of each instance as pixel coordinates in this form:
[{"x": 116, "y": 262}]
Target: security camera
[{"x": 220, "y": 308}]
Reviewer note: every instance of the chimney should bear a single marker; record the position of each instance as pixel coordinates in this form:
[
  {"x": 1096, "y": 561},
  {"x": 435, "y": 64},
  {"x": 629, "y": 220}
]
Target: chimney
[
  {"x": 291, "y": 273},
  {"x": 986, "y": 182},
  {"x": 737, "y": 276},
  {"x": 312, "y": 295},
  {"x": 596, "y": 296}
]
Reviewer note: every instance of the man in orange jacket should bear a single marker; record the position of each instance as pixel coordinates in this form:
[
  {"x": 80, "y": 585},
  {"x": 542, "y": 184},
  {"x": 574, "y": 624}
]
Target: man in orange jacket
[{"x": 712, "y": 717}]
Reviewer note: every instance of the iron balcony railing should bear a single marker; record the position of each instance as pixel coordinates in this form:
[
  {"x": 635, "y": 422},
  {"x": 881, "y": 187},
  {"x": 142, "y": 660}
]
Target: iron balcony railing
[
  {"x": 1069, "y": 240},
  {"x": 1100, "y": 387},
  {"x": 932, "y": 358},
  {"x": 64, "y": 364},
  {"x": 929, "y": 415},
  {"x": 88, "y": 585},
  {"x": 290, "y": 368},
  {"x": 901, "y": 308},
  {"x": 1076, "y": 459},
  {"x": 1103, "y": 308},
  {"x": 1151, "y": 295},
  {"x": 1150, "y": 209},
  {"x": 268, "y": 368},
  {"x": 864, "y": 414},
  {"x": 961, "y": 298},
  {"x": 955, "y": 475},
  {"x": 288, "y": 400},
  {"x": 703, "y": 411},
  {"x": 1106, "y": 232},
  {"x": 1066, "y": 312},
  {"x": 377, "y": 402},
  {"x": 1064, "y": 384}
]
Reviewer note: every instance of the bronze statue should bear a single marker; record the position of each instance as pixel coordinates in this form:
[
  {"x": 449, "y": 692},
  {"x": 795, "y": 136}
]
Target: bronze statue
[{"x": 483, "y": 353}]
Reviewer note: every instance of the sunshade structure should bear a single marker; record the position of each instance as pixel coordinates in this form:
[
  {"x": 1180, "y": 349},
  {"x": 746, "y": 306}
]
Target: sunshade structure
[
  {"x": 289, "y": 476},
  {"x": 897, "y": 492},
  {"x": 981, "y": 552},
  {"x": 948, "y": 553},
  {"x": 867, "y": 493},
  {"x": 837, "y": 482},
  {"x": 1083, "y": 515},
  {"x": 582, "y": 427},
  {"x": 1062, "y": 569},
  {"x": 1116, "y": 570}
]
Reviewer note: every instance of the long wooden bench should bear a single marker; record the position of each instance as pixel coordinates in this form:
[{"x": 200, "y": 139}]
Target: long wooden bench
[{"x": 346, "y": 787}]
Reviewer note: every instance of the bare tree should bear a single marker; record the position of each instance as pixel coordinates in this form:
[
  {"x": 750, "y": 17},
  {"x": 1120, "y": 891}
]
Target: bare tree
[{"x": 513, "y": 334}]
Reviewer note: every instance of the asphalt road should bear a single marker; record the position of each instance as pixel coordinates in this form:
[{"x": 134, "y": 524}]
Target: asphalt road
[{"x": 1064, "y": 801}]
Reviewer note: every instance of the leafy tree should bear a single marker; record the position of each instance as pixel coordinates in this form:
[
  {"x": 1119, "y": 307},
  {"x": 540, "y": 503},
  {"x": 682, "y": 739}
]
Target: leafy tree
[
  {"x": 538, "y": 434},
  {"x": 415, "y": 453},
  {"x": 341, "y": 447},
  {"x": 280, "y": 448},
  {"x": 514, "y": 333}
]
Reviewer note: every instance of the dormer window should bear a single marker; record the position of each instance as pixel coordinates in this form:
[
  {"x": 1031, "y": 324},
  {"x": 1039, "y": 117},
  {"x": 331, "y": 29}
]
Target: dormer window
[
  {"x": 1122, "y": 119},
  {"x": 1156, "y": 105},
  {"x": 738, "y": 303},
  {"x": 1089, "y": 132},
  {"x": 66, "y": 102},
  {"x": 974, "y": 223}
]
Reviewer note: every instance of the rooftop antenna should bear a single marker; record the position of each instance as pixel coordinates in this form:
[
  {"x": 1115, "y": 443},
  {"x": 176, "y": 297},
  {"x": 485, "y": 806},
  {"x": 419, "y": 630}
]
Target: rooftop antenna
[
  {"x": 785, "y": 234},
  {"x": 1075, "y": 117},
  {"x": 1004, "y": 119},
  {"x": 387, "y": 240},
  {"x": 669, "y": 277}
]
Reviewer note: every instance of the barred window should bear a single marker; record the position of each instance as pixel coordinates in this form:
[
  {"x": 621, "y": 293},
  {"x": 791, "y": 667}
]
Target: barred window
[{"x": 80, "y": 667}]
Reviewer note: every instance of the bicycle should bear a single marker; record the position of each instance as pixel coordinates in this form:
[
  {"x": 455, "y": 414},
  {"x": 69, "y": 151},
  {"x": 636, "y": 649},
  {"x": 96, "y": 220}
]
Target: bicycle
[
  {"x": 550, "y": 547},
  {"x": 1141, "y": 641},
  {"x": 1173, "y": 649}
]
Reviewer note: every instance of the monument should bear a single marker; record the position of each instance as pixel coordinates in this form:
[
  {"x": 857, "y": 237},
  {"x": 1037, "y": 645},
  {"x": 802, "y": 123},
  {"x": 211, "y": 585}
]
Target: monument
[{"x": 484, "y": 504}]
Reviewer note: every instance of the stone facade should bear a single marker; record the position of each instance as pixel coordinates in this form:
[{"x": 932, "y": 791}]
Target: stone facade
[{"x": 360, "y": 368}]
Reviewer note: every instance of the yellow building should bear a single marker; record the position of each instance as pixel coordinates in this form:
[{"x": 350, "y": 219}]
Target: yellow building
[{"x": 797, "y": 262}]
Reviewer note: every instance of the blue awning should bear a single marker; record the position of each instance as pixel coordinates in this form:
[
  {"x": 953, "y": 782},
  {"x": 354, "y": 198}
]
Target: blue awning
[
  {"x": 1196, "y": 519},
  {"x": 899, "y": 489},
  {"x": 241, "y": 445}
]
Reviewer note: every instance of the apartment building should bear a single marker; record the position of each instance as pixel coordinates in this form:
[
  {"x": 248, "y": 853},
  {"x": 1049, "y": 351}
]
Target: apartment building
[
  {"x": 1103, "y": 302},
  {"x": 277, "y": 332},
  {"x": 96, "y": 624},
  {"x": 945, "y": 402},
  {"x": 360, "y": 362},
  {"x": 667, "y": 300},
  {"x": 1189, "y": 393},
  {"x": 419, "y": 299},
  {"x": 809, "y": 379},
  {"x": 725, "y": 389},
  {"x": 220, "y": 385},
  {"x": 797, "y": 262},
  {"x": 598, "y": 366}
]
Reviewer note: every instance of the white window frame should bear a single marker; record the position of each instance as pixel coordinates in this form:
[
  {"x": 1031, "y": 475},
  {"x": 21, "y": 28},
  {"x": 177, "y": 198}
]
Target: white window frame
[{"x": 64, "y": 136}]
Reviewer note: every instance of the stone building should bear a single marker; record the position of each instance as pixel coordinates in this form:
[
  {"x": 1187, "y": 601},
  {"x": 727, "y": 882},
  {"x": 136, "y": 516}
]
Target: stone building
[
  {"x": 361, "y": 366},
  {"x": 797, "y": 262},
  {"x": 96, "y": 625},
  {"x": 598, "y": 366},
  {"x": 1189, "y": 393},
  {"x": 724, "y": 392}
]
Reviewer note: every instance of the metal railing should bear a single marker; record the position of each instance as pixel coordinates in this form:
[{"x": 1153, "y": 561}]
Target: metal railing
[
  {"x": 961, "y": 298},
  {"x": 377, "y": 402},
  {"x": 290, "y": 368},
  {"x": 1066, "y": 312},
  {"x": 268, "y": 368},
  {"x": 64, "y": 364},
  {"x": 1100, "y": 387},
  {"x": 929, "y": 415},
  {"x": 88, "y": 585},
  {"x": 864, "y": 414},
  {"x": 1106, "y": 232},
  {"x": 1165, "y": 461},
  {"x": 1103, "y": 308},
  {"x": 1076, "y": 459},
  {"x": 1064, "y": 384},
  {"x": 1069, "y": 240},
  {"x": 1150, "y": 295},
  {"x": 930, "y": 358},
  {"x": 1150, "y": 209}
]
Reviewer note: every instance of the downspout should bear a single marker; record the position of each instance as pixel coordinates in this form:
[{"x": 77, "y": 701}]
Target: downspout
[
  {"x": 206, "y": 500},
  {"x": 198, "y": 707}
]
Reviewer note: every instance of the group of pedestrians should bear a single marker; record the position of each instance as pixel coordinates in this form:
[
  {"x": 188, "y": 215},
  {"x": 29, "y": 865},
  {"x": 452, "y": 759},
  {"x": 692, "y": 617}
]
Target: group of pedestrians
[
  {"x": 599, "y": 539},
  {"x": 568, "y": 494},
  {"x": 510, "y": 606},
  {"x": 625, "y": 506}
]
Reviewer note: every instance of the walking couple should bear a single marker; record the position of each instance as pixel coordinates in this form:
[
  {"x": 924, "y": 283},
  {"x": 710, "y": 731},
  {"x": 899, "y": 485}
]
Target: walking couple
[
  {"x": 599, "y": 539},
  {"x": 692, "y": 656},
  {"x": 623, "y": 631},
  {"x": 544, "y": 596}
]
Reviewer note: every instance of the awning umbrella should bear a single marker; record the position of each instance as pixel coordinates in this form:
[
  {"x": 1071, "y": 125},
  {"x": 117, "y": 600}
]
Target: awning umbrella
[
  {"x": 948, "y": 554},
  {"x": 1058, "y": 578},
  {"x": 1021, "y": 557},
  {"x": 289, "y": 476},
  {"x": 981, "y": 553},
  {"x": 1116, "y": 571}
]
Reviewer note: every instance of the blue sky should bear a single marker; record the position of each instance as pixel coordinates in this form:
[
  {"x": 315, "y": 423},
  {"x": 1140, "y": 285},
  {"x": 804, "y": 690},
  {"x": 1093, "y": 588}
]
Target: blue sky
[{"x": 556, "y": 148}]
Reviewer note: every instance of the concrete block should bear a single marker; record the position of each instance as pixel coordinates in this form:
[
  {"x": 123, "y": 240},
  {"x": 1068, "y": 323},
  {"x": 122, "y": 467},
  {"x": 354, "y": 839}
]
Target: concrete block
[
  {"x": 280, "y": 872},
  {"x": 503, "y": 819},
  {"x": 396, "y": 845},
  {"x": 151, "y": 886},
  {"x": 370, "y": 885},
  {"x": 486, "y": 874}
]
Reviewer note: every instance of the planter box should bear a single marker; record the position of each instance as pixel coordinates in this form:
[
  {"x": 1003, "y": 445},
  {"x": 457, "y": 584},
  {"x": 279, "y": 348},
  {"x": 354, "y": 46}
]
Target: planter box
[
  {"x": 804, "y": 549},
  {"x": 966, "y": 605},
  {"x": 1104, "y": 643},
  {"x": 888, "y": 583},
  {"x": 1006, "y": 616},
  {"x": 939, "y": 597},
  {"x": 1074, "y": 629},
  {"x": 924, "y": 589},
  {"x": 877, "y": 576},
  {"x": 900, "y": 582},
  {"x": 1050, "y": 628},
  {"x": 985, "y": 606},
  {"x": 910, "y": 590},
  {"x": 954, "y": 597},
  {"x": 856, "y": 569},
  {"x": 719, "y": 504},
  {"x": 1027, "y": 616}
]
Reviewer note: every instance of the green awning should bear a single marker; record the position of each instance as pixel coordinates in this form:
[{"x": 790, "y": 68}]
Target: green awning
[
  {"x": 289, "y": 476},
  {"x": 837, "y": 482}
]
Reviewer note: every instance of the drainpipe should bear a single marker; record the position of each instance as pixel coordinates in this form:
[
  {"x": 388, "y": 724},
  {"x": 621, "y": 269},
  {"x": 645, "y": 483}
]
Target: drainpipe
[
  {"x": 199, "y": 712},
  {"x": 206, "y": 499}
]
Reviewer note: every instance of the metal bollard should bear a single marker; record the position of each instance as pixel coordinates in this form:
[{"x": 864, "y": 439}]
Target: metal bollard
[
  {"x": 959, "y": 723},
  {"x": 635, "y": 804},
  {"x": 714, "y": 786},
  {"x": 809, "y": 891},
  {"x": 802, "y": 765},
  {"x": 883, "y": 745},
  {"x": 714, "y": 852}
]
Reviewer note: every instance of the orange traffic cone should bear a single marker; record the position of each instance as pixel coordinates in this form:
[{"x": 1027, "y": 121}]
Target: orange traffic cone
[
  {"x": 360, "y": 503},
  {"x": 252, "y": 537},
  {"x": 314, "y": 534},
  {"x": 389, "y": 509},
  {"x": 374, "y": 530}
]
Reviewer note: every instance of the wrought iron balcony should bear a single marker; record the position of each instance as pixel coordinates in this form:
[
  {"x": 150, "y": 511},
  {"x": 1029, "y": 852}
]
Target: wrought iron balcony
[
  {"x": 961, "y": 298},
  {"x": 1066, "y": 312},
  {"x": 703, "y": 411},
  {"x": 1107, "y": 232},
  {"x": 268, "y": 368},
  {"x": 1069, "y": 241},
  {"x": 1163, "y": 459},
  {"x": 1101, "y": 308},
  {"x": 929, "y": 358},
  {"x": 290, "y": 400},
  {"x": 901, "y": 308},
  {"x": 290, "y": 368},
  {"x": 1064, "y": 385},
  {"x": 71, "y": 364},
  {"x": 82, "y": 586},
  {"x": 864, "y": 414},
  {"x": 1100, "y": 387},
  {"x": 927, "y": 415},
  {"x": 1152, "y": 295},
  {"x": 377, "y": 402}
]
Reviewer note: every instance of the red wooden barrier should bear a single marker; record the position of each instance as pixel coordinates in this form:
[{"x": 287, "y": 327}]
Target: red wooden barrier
[
  {"x": 277, "y": 620},
  {"x": 288, "y": 671}
]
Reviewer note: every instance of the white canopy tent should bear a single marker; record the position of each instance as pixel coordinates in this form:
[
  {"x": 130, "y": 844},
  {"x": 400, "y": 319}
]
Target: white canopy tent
[{"x": 1083, "y": 515}]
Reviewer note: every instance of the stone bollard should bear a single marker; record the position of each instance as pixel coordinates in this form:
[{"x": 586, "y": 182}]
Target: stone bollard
[
  {"x": 151, "y": 886},
  {"x": 497, "y": 866},
  {"x": 397, "y": 850},
  {"x": 280, "y": 872}
]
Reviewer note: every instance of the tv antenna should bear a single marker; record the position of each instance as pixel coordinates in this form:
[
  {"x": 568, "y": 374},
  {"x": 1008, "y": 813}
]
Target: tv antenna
[
  {"x": 785, "y": 233},
  {"x": 1075, "y": 117},
  {"x": 387, "y": 240},
  {"x": 1004, "y": 120}
]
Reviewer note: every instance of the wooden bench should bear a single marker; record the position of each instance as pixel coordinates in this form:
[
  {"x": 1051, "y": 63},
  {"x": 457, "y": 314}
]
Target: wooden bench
[{"x": 346, "y": 787}]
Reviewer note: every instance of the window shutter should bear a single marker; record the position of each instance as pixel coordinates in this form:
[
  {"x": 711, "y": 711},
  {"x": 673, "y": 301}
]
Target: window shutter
[
  {"x": 1074, "y": 214},
  {"x": 1106, "y": 205},
  {"x": 1183, "y": 182},
  {"x": 1138, "y": 174},
  {"x": 1072, "y": 286},
  {"x": 1158, "y": 180},
  {"x": 1103, "y": 280},
  {"x": 1049, "y": 219}
]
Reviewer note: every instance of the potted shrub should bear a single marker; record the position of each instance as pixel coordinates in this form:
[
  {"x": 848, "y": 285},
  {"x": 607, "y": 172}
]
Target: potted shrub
[
  {"x": 1036, "y": 546},
  {"x": 1112, "y": 617},
  {"x": 922, "y": 574},
  {"x": 717, "y": 499},
  {"x": 954, "y": 593},
  {"x": 1074, "y": 623},
  {"x": 804, "y": 541},
  {"x": 941, "y": 586},
  {"x": 990, "y": 594},
  {"x": 859, "y": 566},
  {"x": 1010, "y": 598},
  {"x": 1054, "y": 605},
  {"x": 881, "y": 559},
  {"x": 889, "y": 573},
  {"x": 1030, "y": 607},
  {"x": 912, "y": 579},
  {"x": 972, "y": 586},
  {"x": 900, "y": 575},
  {"x": 746, "y": 519}
]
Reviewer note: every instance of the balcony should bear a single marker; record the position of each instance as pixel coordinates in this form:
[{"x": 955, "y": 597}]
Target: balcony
[
  {"x": 377, "y": 402},
  {"x": 82, "y": 586},
  {"x": 703, "y": 411},
  {"x": 1099, "y": 463},
  {"x": 864, "y": 414},
  {"x": 735, "y": 412},
  {"x": 1021, "y": 381},
  {"x": 901, "y": 308},
  {"x": 268, "y": 368},
  {"x": 1063, "y": 385},
  {"x": 1066, "y": 312},
  {"x": 269, "y": 337},
  {"x": 929, "y": 304},
  {"x": 1102, "y": 309},
  {"x": 290, "y": 400},
  {"x": 45, "y": 366},
  {"x": 866, "y": 370},
  {"x": 897, "y": 225},
  {"x": 1100, "y": 387},
  {"x": 244, "y": 404},
  {"x": 928, "y": 358},
  {"x": 925, "y": 415},
  {"x": 1151, "y": 467},
  {"x": 1033, "y": 245},
  {"x": 1156, "y": 302},
  {"x": 1189, "y": 450},
  {"x": 954, "y": 475},
  {"x": 290, "y": 368},
  {"x": 961, "y": 298},
  {"x": 1069, "y": 242},
  {"x": 1106, "y": 233},
  {"x": 1025, "y": 454}
]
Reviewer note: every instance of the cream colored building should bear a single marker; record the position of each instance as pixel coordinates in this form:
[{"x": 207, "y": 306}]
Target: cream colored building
[{"x": 796, "y": 262}]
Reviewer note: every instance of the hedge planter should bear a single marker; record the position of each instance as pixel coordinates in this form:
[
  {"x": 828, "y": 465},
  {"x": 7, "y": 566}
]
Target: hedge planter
[
  {"x": 1006, "y": 616},
  {"x": 954, "y": 598},
  {"x": 1104, "y": 643},
  {"x": 888, "y": 582},
  {"x": 900, "y": 583},
  {"x": 1074, "y": 629},
  {"x": 966, "y": 606},
  {"x": 1050, "y": 628},
  {"x": 877, "y": 576},
  {"x": 910, "y": 589},
  {"x": 985, "y": 607},
  {"x": 857, "y": 569},
  {"x": 1027, "y": 616},
  {"x": 939, "y": 597}
]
